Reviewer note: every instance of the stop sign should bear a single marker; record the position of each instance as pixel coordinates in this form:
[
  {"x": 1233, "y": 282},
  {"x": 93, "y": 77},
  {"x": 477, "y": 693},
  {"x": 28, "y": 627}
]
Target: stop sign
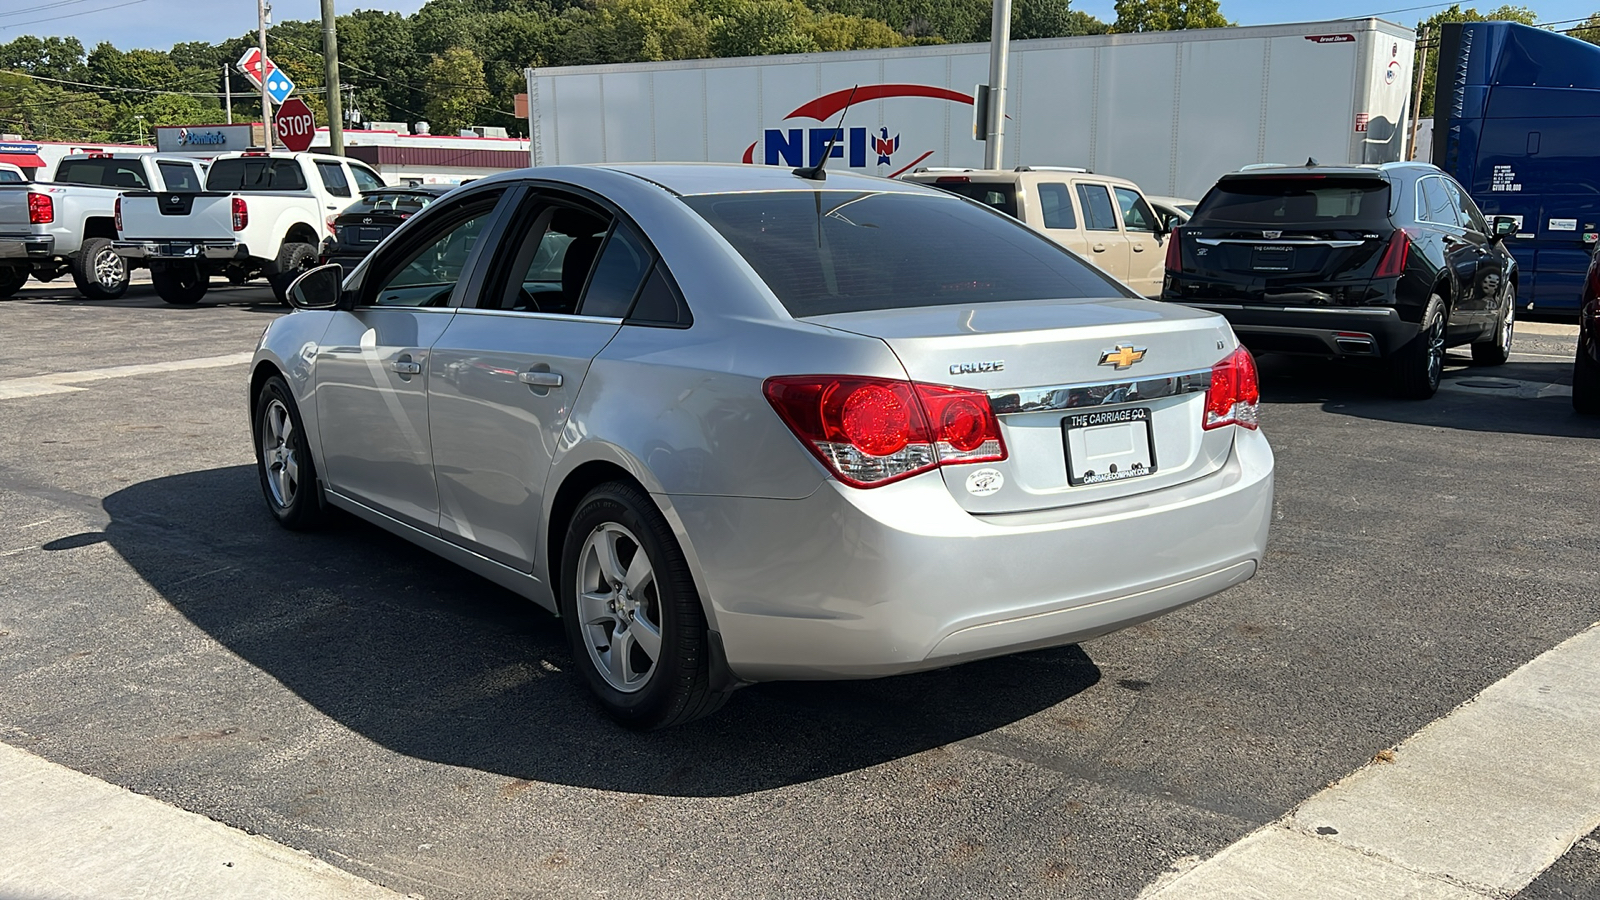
[{"x": 296, "y": 127}]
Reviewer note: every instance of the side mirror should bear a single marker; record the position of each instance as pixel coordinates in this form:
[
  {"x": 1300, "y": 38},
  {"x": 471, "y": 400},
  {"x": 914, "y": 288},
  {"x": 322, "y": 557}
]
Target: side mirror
[
  {"x": 1504, "y": 227},
  {"x": 318, "y": 288}
]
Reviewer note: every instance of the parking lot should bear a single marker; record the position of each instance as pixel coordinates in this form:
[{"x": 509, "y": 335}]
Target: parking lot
[{"x": 344, "y": 694}]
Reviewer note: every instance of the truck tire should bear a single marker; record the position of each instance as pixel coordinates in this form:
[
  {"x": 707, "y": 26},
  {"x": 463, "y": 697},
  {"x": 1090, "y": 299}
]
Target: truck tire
[
  {"x": 12, "y": 278},
  {"x": 293, "y": 258},
  {"x": 98, "y": 271},
  {"x": 181, "y": 284}
]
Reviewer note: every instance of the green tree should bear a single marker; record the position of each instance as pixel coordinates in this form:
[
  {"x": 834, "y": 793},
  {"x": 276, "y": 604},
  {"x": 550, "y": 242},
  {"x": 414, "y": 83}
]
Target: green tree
[
  {"x": 51, "y": 57},
  {"x": 50, "y": 112},
  {"x": 1167, "y": 15},
  {"x": 1051, "y": 18},
  {"x": 1432, "y": 27},
  {"x": 837, "y": 31},
  {"x": 456, "y": 90},
  {"x": 762, "y": 27},
  {"x": 1589, "y": 30}
]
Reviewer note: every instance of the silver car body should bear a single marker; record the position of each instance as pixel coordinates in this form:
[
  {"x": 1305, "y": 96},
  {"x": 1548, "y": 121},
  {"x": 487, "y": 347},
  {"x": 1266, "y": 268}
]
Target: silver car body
[{"x": 418, "y": 422}]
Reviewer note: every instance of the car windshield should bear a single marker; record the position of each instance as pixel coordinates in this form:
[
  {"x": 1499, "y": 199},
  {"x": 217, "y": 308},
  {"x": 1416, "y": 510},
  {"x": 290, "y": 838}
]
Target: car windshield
[
  {"x": 402, "y": 203},
  {"x": 825, "y": 252},
  {"x": 1295, "y": 201}
]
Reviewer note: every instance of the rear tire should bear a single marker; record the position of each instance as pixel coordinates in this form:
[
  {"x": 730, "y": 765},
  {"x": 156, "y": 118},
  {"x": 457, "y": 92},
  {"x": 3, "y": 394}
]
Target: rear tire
[
  {"x": 181, "y": 284},
  {"x": 1497, "y": 349},
  {"x": 98, "y": 271},
  {"x": 613, "y": 626},
  {"x": 1418, "y": 366},
  {"x": 293, "y": 258},
  {"x": 1585, "y": 382},
  {"x": 283, "y": 460},
  {"x": 12, "y": 278}
]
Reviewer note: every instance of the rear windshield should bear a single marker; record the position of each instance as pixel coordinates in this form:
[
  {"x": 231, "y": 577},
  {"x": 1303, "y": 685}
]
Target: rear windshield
[
  {"x": 1295, "y": 202},
  {"x": 845, "y": 251},
  {"x": 391, "y": 203},
  {"x": 122, "y": 173},
  {"x": 1001, "y": 196},
  {"x": 9, "y": 177},
  {"x": 255, "y": 173}
]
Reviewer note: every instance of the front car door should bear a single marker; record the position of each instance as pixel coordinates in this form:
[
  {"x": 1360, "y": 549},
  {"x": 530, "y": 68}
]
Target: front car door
[
  {"x": 1463, "y": 255},
  {"x": 1494, "y": 260},
  {"x": 371, "y": 369},
  {"x": 507, "y": 371},
  {"x": 1147, "y": 263},
  {"x": 1108, "y": 247}
]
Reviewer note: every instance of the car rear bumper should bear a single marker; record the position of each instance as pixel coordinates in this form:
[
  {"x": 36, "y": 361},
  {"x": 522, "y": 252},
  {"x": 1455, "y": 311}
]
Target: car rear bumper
[
  {"x": 182, "y": 249},
  {"x": 850, "y": 583},
  {"x": 27, "y": 247},
  {"x": 1363, "y": 331}
]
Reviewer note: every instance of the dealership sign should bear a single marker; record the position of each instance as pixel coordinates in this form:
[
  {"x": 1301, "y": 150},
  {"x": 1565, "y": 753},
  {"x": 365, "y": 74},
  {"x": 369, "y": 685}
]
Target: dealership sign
[
  {"x": 208, "y": 139},
  {"x": 860, "y": 147}
]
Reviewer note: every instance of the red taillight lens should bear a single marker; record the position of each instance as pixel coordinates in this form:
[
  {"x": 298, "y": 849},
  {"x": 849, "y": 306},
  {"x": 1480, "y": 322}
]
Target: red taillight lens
[
  {"x": 1395, "y": 255},
  {"x": 872, "y": 431},
  {"x": 116, "y": 214},
  {"x": 1234, "y": 397},
  {"x": 1174, "y": 252},
  {"x": 241, "y": 214},
  {"x": 41, "y": 209}
]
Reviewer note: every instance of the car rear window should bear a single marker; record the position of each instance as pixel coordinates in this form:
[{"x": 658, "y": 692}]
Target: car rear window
[
  {"x": 1001, "y": 196},
  {"x": 391, "y": 203},
  {"x": 1311, "y": 201},
  {"x": 255, "y": 173},
  {"x": 122, "y": 173},
  {"x": 845, "y": 251}
]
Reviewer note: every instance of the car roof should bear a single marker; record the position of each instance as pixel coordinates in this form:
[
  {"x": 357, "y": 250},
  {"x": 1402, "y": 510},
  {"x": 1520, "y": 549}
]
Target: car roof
[
  {"x": 1014, "y": 176},
  {"x": 1380, "y": 170}
]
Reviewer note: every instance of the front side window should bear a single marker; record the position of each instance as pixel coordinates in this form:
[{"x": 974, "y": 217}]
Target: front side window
[
  {"x": 838, "y": 251},
  {"x": 179, "y": 177},
  {"x": 1136, "y": 214},
  {"x": 1098, "y": 213},
  {"x": 333, "y": 179},
  {"x": 1056, "y": 204},
  {"x": 427, "y": 275}
]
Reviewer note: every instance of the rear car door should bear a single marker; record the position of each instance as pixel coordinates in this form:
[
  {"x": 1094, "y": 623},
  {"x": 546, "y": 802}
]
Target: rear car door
[
  {"x": 372, "y": 367},
  {"x": 1058, "y": 218},
  {"x": 507, "y": 371},
  {"x": 1102, "y": 226},
  {"x": 1146, "y": 262}
]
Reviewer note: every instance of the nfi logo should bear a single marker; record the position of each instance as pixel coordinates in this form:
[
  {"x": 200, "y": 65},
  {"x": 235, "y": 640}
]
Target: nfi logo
[{"x": 858, "y": 146}]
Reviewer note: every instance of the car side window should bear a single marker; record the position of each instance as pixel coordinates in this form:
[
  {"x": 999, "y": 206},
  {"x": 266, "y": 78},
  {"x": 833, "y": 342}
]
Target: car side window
[
  {"x": 1098, "y": 213},
  {"x": 555, "y": 251},
  {"x": 365, "y": 180},
  {"x": 1136, "y": 214},
  {"x": 333, "y": 178},
  {"x": 179, "y": 176},
  {"x": 1470, "y": 218},
  {"x": 1433, "y": 203},
  {"x": 624, "y": 261},
  {"x": 426, "y": 273},
  {"x": 1056, "y": 205}
]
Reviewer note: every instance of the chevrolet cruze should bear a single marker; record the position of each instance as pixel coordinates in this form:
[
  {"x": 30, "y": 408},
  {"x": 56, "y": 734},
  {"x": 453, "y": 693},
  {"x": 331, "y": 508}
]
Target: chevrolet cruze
[{"x": 737, "y": 424}]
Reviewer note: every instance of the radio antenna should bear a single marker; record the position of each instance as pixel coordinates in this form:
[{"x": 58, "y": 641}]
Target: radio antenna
[{"x": 815, "y": 172}]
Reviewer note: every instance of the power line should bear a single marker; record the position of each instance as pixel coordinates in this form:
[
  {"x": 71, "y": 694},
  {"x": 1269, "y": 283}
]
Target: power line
[
  {"x": 72, "y": 15},
  {"x": 110, "y": 87},
  {"x": 33, "y": 9}
]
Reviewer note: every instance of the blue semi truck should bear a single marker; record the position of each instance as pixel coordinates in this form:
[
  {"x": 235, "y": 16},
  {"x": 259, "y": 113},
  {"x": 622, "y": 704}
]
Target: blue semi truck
[{"x": 1517, "y": 121}]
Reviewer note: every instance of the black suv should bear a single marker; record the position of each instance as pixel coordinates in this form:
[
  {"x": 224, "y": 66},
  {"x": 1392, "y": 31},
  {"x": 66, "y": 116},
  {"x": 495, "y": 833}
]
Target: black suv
[{"x": 1392, "y": 263}]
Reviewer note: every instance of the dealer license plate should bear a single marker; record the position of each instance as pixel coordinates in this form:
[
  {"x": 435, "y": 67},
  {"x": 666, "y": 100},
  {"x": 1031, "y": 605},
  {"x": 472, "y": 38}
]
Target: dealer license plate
[
  {"x": 1109, "y": 445},
  {"x": 1272, "y": 259}
]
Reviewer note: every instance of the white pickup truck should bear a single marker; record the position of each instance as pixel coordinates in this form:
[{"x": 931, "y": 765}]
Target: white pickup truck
[
  {"x": 66, "y": 225},
  {"x": 260, "y": 214}
]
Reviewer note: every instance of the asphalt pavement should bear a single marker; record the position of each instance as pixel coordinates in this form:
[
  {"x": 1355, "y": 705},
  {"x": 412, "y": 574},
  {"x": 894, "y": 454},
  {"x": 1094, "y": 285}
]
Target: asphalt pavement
[{"x": 349, "y": 697}]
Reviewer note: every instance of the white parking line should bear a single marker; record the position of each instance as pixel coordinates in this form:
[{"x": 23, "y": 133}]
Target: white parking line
[
  {"x": 1475, "y": 805},
  {"x": 63, "y": 382}
]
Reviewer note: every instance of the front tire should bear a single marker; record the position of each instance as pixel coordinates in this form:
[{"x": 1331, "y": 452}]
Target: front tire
[
  {"x": 1418, "y": 367},
  {"x": 181, "y": 283},
  {"x": 1497, "y": 349},
  {"x": 283, "y": 459},
  {"x": 632, "y": 615},
  {"x": 98, "y": 272},
  {"x": 12, "y": 278},
  {"x": 293, "y": 258}
]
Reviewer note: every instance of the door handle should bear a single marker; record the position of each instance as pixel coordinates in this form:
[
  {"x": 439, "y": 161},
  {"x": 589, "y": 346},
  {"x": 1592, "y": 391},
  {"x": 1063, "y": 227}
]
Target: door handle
[
  {"x": 541, "y": 379},
  {"x": 1099, "y": 248},
  {"x": 1138, "y": 248},
  {"x": 406, "y": 367}
]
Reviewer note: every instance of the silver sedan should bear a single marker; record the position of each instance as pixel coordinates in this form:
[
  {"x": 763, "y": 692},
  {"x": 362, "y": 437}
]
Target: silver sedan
[{"x": 734, "y": 424}]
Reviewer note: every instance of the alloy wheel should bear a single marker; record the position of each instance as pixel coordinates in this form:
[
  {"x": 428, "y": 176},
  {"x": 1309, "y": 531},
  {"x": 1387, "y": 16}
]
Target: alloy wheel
[
  {"x": 278, "y": 454},
  {"x": 109, "y": 269},
  {"x": 1436, "y": 351},
  {"x": 1509, "y": 322},
  {"x": 619, "y": 607}
]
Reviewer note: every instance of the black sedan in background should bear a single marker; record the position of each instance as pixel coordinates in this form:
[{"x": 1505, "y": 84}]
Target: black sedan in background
[
  {"x": 1390, "y": 263},
  {"x": 369, "y": 220},
  {"x": 1586, "y": 368}
]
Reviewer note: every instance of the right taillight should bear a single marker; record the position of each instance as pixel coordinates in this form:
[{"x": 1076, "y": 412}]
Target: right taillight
[
  {"x": 241, "y": 214},
  {"x": 1393, "y": 263},
  {"x": 1174, "y": 252},
  {"x": 1234, "y": 397},
  {"x": 41, "y": 209},
  {"x": 873, "y": 431}
]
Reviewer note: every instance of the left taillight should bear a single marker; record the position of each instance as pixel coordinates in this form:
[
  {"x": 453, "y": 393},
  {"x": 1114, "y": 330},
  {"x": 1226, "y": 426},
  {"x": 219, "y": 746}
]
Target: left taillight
[
  {"x": 41, "y": 209},
  {"x": 1234, "y": 397},
  {"x": 241, "y": 214},
  {"x": 872, "y": 431},
  {"x": 116, "y": 214}
]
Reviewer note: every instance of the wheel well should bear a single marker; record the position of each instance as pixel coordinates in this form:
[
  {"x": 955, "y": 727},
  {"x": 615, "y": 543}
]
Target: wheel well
[
  {"x": 583, "y": 479},
  {"x": 258, "y": 378},
  {"x": 300, "y": 233},
  {"x": 1443, "y": 290},
  {"x": 99, "y": 227}
]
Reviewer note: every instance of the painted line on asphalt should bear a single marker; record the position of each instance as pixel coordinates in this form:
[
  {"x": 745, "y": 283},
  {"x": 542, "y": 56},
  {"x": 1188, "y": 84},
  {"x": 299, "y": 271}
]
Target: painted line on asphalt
[
  {"x": 1475, "y": 805},
  {"x": 64, "y": 382},
  {"x": 67, "y": 834}
]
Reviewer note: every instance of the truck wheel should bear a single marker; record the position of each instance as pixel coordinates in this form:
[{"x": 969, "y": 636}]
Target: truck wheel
[
  {"x": 181, "y": 284},
  {"x": 98, "y": 271},
  {"x": 293, "y": 258},
  {"x": 12, "y": 278},
  {"x": 1497, "y": 349},
  {"x": 1418, "y": 366}
]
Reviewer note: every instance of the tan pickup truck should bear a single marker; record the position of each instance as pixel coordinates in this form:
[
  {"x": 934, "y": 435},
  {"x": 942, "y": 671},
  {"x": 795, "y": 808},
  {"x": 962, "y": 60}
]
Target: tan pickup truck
[{"x": 1105, "y": 220}]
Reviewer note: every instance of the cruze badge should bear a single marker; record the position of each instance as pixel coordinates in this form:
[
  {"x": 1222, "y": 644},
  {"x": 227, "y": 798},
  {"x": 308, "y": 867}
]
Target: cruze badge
[
  {"x": 1121, "y": 356},
  {"x": 972, "y": 368}
]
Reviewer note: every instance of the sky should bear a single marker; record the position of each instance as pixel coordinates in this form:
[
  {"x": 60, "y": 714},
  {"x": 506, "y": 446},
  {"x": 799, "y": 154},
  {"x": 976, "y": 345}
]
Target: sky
[{"x": 159, "y": 24}]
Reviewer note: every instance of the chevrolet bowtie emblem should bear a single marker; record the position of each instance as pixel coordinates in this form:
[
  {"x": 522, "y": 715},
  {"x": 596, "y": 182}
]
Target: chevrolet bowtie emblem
[{"x": 1122, "y": 356}]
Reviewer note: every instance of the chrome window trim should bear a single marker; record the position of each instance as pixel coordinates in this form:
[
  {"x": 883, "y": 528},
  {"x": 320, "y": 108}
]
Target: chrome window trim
[
  {"x": 1385, "y": 312},
  {"x": 525, "y": 314},
  {"x": 428, "y": 309},
  {"x": 1055, "y": 398},
  {"x": 1307, "y": 242}
]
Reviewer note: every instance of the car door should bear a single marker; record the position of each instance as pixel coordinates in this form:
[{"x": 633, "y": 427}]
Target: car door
[
  {"x": 1494, "y": 261},
  {"x": 1108, "y": 246},
  {"x": 1146, "y": 257},
  {"x": 1463, "y": 255},
  {"x": 508, "y": 369},
  {"x": 1058, "y": 218},
  {"x": 371, "y": 369}
]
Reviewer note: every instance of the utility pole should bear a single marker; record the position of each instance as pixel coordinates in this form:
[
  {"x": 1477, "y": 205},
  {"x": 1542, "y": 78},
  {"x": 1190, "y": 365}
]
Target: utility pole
[
  {"x": 227, "y": 92},
  {"x": 999, "y": 51},
  {"x": 264, "y": 12},
  {"x": 1416, "y": 106},
  {"x": 330, "y": 60}
]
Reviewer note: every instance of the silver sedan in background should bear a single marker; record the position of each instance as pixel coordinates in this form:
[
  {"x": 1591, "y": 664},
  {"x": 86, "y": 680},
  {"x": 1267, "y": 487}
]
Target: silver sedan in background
[{"x": 734, "y": 424}]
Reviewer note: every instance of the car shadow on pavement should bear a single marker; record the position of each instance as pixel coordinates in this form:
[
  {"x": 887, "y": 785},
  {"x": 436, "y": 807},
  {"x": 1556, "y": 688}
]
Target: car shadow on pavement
[
  {"x": 433, "y": 662},
  {"x": 1505, "y": 399}
]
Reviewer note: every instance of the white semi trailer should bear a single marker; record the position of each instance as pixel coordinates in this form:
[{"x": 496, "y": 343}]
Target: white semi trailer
[{"x": 1170, "y": 110}]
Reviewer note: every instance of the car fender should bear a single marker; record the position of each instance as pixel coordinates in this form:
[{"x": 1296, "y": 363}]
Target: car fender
[{"x": 289, "y": 345}]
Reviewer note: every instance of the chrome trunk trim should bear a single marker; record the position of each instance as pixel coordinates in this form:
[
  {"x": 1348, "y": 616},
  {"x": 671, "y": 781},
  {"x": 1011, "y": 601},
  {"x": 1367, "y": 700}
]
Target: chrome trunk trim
[
  {"x": 1287, "y": 242},
  {"x": 1078, "y": 396}
]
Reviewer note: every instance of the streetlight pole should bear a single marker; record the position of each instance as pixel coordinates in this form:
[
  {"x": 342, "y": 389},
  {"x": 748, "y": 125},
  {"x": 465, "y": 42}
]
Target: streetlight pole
[
  {"x": 139, "y": 123},
  {"x": 999, "y": 51},
  {"x": 263, "y": 12}
]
